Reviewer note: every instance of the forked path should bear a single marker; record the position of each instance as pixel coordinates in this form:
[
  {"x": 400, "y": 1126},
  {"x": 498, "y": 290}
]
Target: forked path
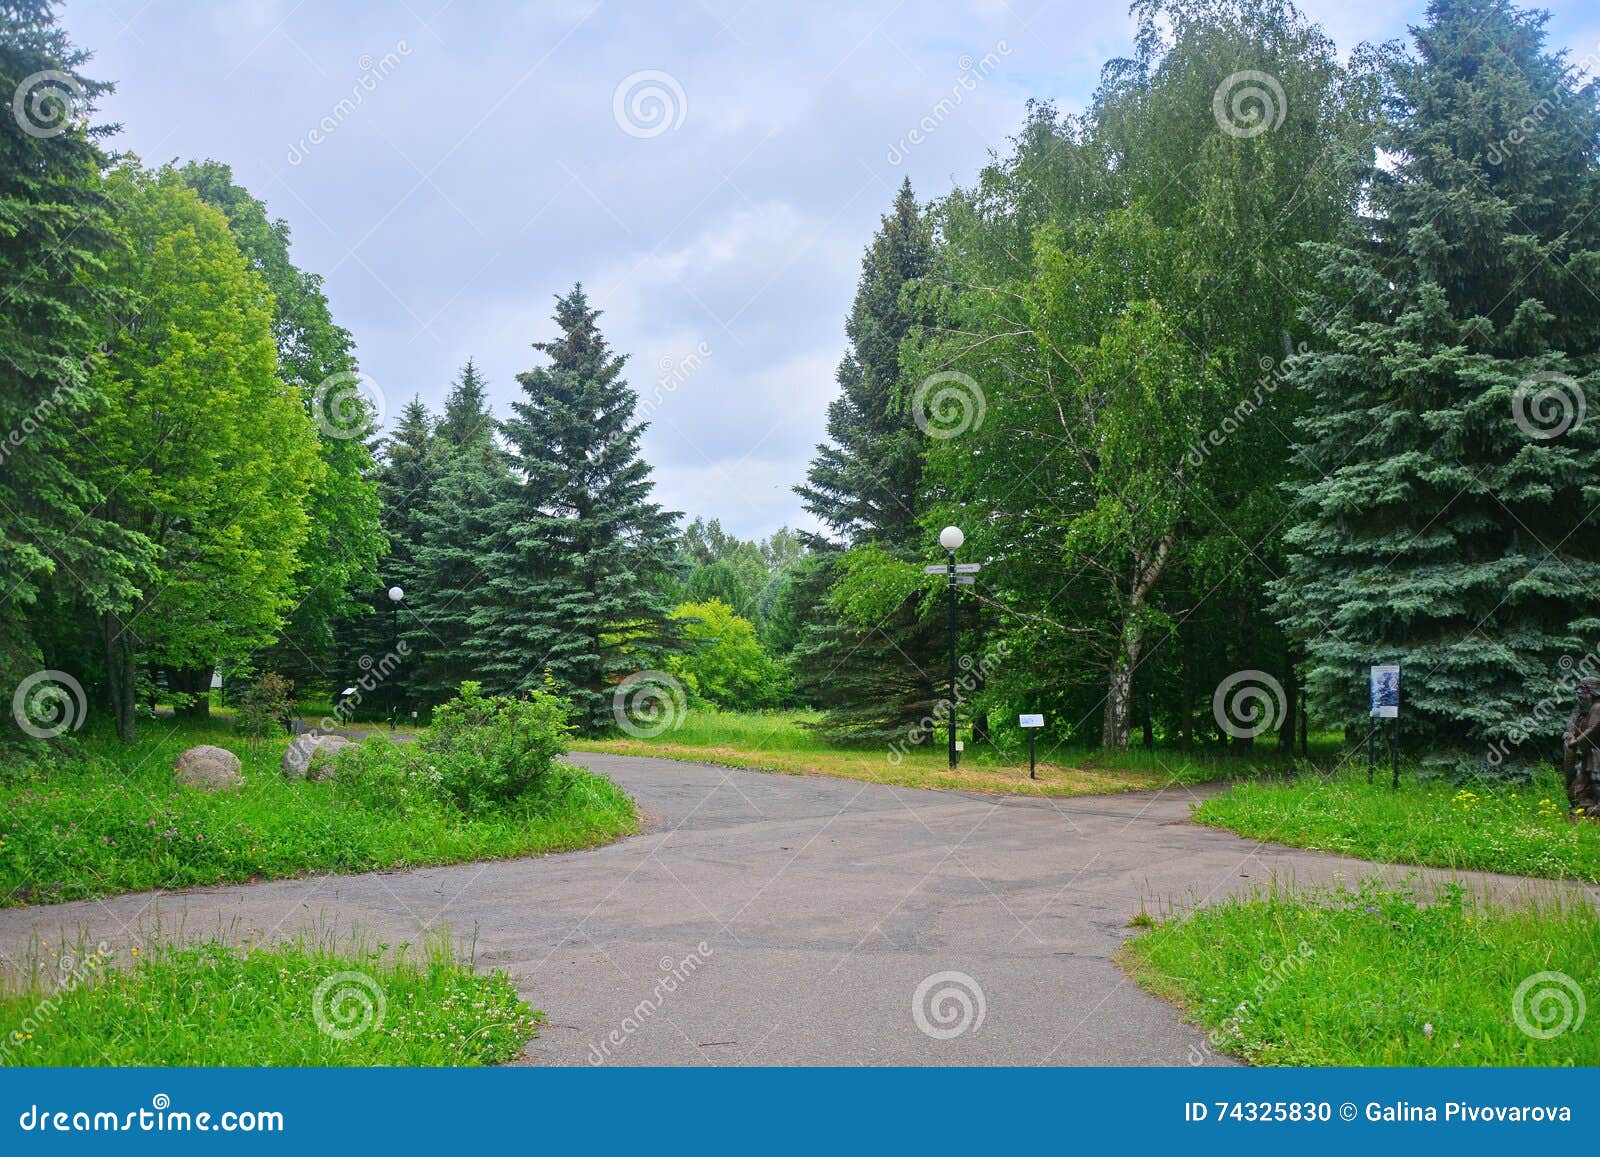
[{"x": 776, "y": 919}]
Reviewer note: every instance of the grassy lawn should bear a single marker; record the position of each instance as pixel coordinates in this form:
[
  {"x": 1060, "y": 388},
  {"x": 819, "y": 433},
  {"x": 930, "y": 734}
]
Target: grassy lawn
[
  {"x": 779, "y": 741},
  {"x": 299, "y": 1003},
  {"x": 1373, "y": 977},
  {"x": 100, "y": 818},
  {"x": 1521, "y": 830}
]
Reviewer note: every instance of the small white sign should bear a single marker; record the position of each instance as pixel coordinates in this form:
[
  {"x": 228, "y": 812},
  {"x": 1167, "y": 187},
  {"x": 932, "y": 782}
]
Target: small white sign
[
  {"x": 960, "y": 745},
  {"x": 1030, "y": 721}
]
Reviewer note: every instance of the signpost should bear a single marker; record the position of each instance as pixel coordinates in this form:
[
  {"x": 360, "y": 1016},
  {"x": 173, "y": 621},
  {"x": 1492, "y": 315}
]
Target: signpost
[
  {"x": 1031, "y": 724},
  {"x": 1383, "y": 690}
]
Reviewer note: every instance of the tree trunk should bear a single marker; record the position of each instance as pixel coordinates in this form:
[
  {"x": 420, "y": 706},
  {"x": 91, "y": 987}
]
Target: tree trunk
[
  {"x": 196, "y": 683},
  {"x": 119, "y": 676},
  {"x": 1115, "y": 725},
  {"x": 1291, "y": 697},
  {"x": 1186, "y": 740}
]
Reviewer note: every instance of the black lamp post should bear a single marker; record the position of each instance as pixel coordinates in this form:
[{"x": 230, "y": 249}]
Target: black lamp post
[
  {"x": 395, "y": 595},
  {"x": 951, "y": 539}
]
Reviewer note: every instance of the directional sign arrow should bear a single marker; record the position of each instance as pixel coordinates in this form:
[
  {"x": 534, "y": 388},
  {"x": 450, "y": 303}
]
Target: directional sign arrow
[
  {"x": 941, "y": 569},
  {"x": 965, "y": 580},
  {"x": 967, "y": 567}
]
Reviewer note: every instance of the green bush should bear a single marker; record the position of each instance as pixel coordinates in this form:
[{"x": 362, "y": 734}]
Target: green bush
[
  {"x": 387, "y": 777},
  {"x": 265, "y": 707},
  {"x": 484, "y": 751}
]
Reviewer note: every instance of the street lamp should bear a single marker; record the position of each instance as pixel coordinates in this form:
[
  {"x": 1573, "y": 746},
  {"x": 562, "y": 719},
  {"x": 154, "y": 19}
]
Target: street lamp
[
  {"x": 951, "y": 539},
  {"x": 395, "y": 595}
]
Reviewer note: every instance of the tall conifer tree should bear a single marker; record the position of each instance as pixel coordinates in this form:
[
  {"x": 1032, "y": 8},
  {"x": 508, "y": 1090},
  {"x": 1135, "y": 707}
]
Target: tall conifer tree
[
  {"x": 576, "y": 577},
  {"x": 1452, "y": 524},
  {"x": 864, "y": 485}
]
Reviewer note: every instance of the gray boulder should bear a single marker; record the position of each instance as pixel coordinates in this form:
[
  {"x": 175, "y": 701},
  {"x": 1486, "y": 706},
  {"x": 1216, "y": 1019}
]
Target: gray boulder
[
  {"x": 313, "y": 756},
  {"x": 207, "y": 768}
]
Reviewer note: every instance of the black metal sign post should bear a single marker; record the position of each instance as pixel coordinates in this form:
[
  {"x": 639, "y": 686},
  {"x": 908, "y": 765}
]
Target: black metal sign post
[
  {"x": 1031, "y": 724},
  {"x": 1384, "y": 692},
  {"x": 958, "y": 574}
]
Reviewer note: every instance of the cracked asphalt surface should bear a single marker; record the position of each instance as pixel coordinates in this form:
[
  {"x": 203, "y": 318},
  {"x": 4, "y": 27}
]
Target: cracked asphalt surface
[{"x": 776, "y": 920}]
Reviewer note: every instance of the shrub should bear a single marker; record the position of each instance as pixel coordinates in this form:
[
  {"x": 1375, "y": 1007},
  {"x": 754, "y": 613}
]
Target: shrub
[
  {"x": 485, "y": 751},
  {"x": 726, "y": 666},
  {"x": 266, "y": 706},
  {"x": 387, "y": 777}
]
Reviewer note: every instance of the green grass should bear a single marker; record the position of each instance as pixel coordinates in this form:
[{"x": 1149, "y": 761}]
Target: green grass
[
  {"x": 1375, "y": 977},
  {"x": 297, "y": 1003},
  {"x": 780, "y": 741},
  {"x": 107, "y": 818},
  {"x": 1522, "y": 830}
]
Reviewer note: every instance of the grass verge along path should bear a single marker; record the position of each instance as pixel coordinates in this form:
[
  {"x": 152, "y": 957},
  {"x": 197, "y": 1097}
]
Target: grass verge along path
[
  {"x": 781, "y": 742},
  {"x": 1521, "y": 830},
  {"x": 298, "y": 1003},
  {"x": 107, "y": 818},
  {"x": 1375, "y": 977}
]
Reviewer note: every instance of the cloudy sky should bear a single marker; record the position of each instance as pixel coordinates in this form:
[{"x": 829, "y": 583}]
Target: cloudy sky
[{"x": 709, "y": 170}]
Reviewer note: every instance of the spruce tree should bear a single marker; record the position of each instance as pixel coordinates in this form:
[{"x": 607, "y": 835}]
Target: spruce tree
[
  {"x": 577, "y": 574},
  {"x": 864, "y": 486},
  {"x": 1451, "y": 522},
  {"x": 457, "y": 524},
  {"x": 407, "y": 471},
  {"x": 55, "y": 231}
]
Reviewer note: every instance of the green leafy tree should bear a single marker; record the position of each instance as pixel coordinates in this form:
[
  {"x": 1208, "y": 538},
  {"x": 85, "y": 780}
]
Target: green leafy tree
[
  {"x": 577, "y": 573},
  {"x": 725, "y": 663},
  {"x": 339, "y": 559},
  {"x": 197, "y": 443},
  {"x": 1451, "y": 522}
]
